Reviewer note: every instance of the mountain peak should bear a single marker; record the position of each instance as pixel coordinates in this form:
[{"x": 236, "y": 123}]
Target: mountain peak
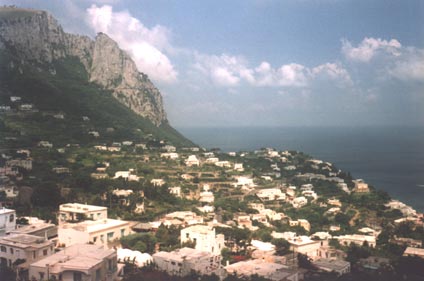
[{"x": 36, "y": 37}]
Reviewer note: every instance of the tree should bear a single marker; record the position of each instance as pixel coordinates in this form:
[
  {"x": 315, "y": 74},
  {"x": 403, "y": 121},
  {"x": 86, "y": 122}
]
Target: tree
[{"x": 282, "y": 246}]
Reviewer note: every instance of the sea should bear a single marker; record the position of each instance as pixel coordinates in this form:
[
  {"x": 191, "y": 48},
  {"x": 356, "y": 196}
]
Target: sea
[{"x": 388, "y": 158}]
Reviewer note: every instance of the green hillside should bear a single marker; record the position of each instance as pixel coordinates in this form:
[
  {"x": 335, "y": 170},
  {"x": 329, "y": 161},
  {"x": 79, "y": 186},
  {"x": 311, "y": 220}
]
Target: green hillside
[{"x": 63, "y": 88}]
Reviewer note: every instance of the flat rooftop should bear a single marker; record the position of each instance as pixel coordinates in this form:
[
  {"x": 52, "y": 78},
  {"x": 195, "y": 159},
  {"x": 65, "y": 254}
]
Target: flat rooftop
[
  {"x": 78, "y": 256},
  {"x": 97, "y": 225},
  {"x": 24, "y": 241},
  {"x": 182, "y": 254},
  {"x": 331, "y": 265},
  {"x": 80, "y": 208},
  {"x": 6, "y": 211}
]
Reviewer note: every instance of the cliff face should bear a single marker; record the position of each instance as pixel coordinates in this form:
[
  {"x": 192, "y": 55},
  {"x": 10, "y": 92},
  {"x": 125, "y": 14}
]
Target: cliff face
[{"x": 36, "y": 37}]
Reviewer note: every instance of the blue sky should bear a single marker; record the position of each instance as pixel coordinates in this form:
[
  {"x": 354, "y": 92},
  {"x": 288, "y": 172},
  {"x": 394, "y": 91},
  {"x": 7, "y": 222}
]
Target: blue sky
[{"x": 268, "y": 63}]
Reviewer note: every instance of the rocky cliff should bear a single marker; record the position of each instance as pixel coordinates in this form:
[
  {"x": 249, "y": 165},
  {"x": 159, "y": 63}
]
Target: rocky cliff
[{"x": 36, "y": 37}]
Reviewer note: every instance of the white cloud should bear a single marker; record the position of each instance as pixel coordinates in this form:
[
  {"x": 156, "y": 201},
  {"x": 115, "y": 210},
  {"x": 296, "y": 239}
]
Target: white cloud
[
  {"x": 226, "y": 70},
  {"x": 409, "y": 67},
  {"x": 332, "y": 71},
  {"x": 146, "y": 46},
  {"x": 369, "y": 47}
]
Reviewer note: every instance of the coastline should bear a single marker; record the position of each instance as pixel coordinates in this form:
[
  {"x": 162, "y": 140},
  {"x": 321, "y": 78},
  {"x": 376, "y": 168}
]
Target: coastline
[{"x": 389, "y": 158}]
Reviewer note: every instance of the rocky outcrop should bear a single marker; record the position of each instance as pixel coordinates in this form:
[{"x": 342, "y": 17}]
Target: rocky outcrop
[{"x": 36, "y": 37}]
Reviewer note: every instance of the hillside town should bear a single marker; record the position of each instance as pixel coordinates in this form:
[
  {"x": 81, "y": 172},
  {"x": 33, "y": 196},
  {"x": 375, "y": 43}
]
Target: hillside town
[{"x": 118, "y": 209}]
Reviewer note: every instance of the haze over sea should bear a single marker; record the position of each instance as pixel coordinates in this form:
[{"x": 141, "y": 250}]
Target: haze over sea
[{"x": 388, "y": 158}]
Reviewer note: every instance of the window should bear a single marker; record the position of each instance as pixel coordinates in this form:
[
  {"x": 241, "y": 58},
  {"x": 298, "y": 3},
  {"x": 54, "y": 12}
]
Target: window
[
  {"x": 123, "y": 232},
  {"x": 77, "y": 276},
  {"x": 11, "y": 250},
  {"x": 102, "y": 237},
  {"x": 45, "y": 252},
  {"x": 3, "y": 249},
  {"x": 41, "y": 275},
  {"x": 110, "y": 235},
  {"x": 11, "y": 218},
  {"x": 94, "y": 239},
  {"x": 34, "y": 254}
]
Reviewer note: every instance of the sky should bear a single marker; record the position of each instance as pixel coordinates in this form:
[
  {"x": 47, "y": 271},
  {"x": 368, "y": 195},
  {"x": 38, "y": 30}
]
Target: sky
[{"x": 267, "y": 63}]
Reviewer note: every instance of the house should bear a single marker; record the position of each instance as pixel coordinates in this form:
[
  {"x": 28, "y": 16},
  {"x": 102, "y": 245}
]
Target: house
[
  {"x": 36, "y": 227},
  {"x": 271, "y": 194},
  {"x": 23, "y": 249},
  {"x": 127, "y": 175},
  {"x": 122, "y": 196},
  {"x": 94, "y": 134},
  {"x": 256, "y": 206},
  {"x": 414, "y": 252},
  {"x": 206, "y": 197},
  {"x": 175, "y": 190},
  {"x": 357, "y": 239},
  {"x": 360, "y": 186},
  {"x": 188, "y": 217},
  {"x": 244, "y": 182},
  {"x": 78, "y": 212},
  {"x": 169, "y": 155},
  {"x": 7, "y": 221},
  {"x": 268, "y": 270},
  {"x": 299, "y": 202},
  {"x": 182, "y": 262},
  {"x": 61, "y": 170},
  {"x": 192, "y": 161},
  {"x": 223, "y": 164},
  {"x": 45, "y": 144},
  {"x": 104, "y": 232},
  {"x": 212, "y": 160},
  {"x": 15, "y": 98},
  {"x": 301, "y": 222},
  {"x": 305, "y": 245},
  {"x": 204, "y": 237},
  {"x": 23, "y": 163},
  {"x": 77, "y": 262},
  {"x": 243, "y": 220},
  {"x": 100, "y": 147},
  {"x": 169, "y": 148},
  {"x": 340, "y": 267},
  {"x": 157, "y": 182},
  {"x": 238, "y": 167},
  {"x": 334, "y": 202},
  {"x": 187, "y": 177},
  {"x": 26, "y": 107}
]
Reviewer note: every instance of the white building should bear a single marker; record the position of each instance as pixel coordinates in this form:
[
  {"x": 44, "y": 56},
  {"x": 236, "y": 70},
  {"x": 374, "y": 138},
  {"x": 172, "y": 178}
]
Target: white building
[
  {"x": 78, "y": 212},
  {"x": 271, "y": 194},
  {"x": 357, "y": 239},
  {"x": 244, "y": 181},
  {"x": 305, "y": 245},
  {"x": 182, "y": 262},
  {"x": 175, "y": 190},
  {"x": 206, "y": 197},
  {"x": 157, "y": 182},
  {"x": 104, "y": 232},
  {"x": 360, "y": 186},
  {"x": 169, "y": 155},
  {"x": 192, "y": 161},
  {"x": 204, "y": 238},
  {"x": 23, "y": 247},
  {"x": 299, "y": 202},
  {"x": 269, "y": 270},
  {"x": 78, "y": 262},
  {"x": 223, "y": 164},
  {"x": 7, "y": 221},
  {"x": 301, "y": 222},
  {"x": 238, "y": 167},
  {"x": 340, "y": 267}
]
